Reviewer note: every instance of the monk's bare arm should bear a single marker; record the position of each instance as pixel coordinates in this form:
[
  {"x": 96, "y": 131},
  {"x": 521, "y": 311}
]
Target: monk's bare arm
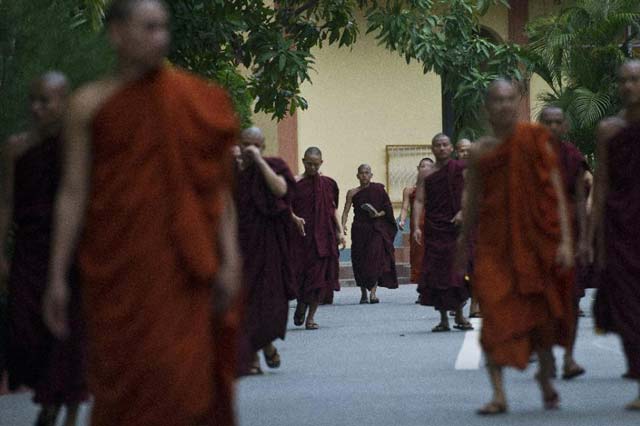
[
  {"x": 228, "y": 279},
  {"x": 345, "y": 211},
  {"x": 588, "y": 183},
  {"x": 69, "y": 209},
  {"x": 276, "y": 183},
  {"x": 418, "y": 207},
  {"x": 406, "y": 201}
]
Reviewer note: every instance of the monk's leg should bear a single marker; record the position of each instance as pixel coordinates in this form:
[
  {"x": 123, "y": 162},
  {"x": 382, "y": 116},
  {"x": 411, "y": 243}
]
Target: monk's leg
[
  {"x": 271, "y": 356},
  {"x": 255, "y": 365},
  {"x": 71, "y": 416},
  {"x": 299, "y": 313},
  {"x": 635, "y": 404},
  {"x": 546, "y": 367},
  {"x": 311, "y": 324},
  {"x": 48, "y": 415},
  {"x": 498, "y": 403},
  {"x": 372, "y": 297},
  {"x": 444, "y": 322},
  {"x": 363, "y": 295},
  {"x": 461, "y": 322},
  {"x": 570, "y": 367}
]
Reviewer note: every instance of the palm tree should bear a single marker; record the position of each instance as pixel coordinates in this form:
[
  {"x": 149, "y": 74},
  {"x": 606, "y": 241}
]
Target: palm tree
[{"x": 577, "y": 53}]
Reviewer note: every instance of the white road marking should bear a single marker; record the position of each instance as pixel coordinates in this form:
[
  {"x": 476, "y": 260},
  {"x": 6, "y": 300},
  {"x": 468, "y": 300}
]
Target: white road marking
[{"x": 470, "y": 353}]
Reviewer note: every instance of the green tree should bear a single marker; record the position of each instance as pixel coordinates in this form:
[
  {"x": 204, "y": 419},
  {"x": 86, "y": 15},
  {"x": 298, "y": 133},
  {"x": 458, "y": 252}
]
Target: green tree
[{"x": 577, "y": 53}]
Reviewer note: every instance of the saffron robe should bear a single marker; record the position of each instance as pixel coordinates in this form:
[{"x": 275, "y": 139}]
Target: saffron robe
[
  {"x": 54, "y": 369},
  {"x": 148, "y": 255},
  {"x": 372, "y": 251},
  {"x": 316, "y": 201},
  {"x": 439, "y": 285},
  {"x": 265, "y": 233},
  {"x": 416, "y": 251},
  {"x": 617, "y": 306},
  {"x": 527, "y": 302}
]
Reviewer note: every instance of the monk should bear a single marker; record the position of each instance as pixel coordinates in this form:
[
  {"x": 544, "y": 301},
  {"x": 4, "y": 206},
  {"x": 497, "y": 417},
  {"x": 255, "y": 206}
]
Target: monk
[
  {"x": 373, "y": 231},
  {"x": 145, "y": 202},
  {"x": 573, "y": 168},
  {"x": 614, "y": 227},
  {"x": 52, "y": 368},
  {"x": 523, "y": 254},
  {"x": 264, "y": 193},
  {"x": 462, "y": 149},
  {"x": 438, "y": 198},
  {"x": 416, "y": 252},
  {"x": 314, "y": 211}
]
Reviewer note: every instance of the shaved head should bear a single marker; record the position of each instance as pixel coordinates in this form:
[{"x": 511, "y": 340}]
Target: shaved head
[
  {"x": 553, "y": 118},
  {"x": 462, "y": 148},
  {"x": 48, "y": 96},
  {"x": 252, "y": 133},
  {"x": 313, "y": 151},
  {"x": 121, "y": 10},
  {"x": 501, "y": 103},
  {"x": 499, "y": 84},
  {"x": 629, "y": 83},
  {"x": 363, "y": 167},
  {"x": 54, "y": 80},
  {"x": 551, "y": 110}
]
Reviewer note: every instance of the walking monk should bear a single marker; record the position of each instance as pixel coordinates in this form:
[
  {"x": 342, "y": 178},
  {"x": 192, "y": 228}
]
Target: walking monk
[
  {"x": 614, "y": 221},
  {"x": 439, "y": 197},
  {"x": 573, "y": 168},
  {"x": 524, "y": 255},
  {"x": 315, "y": 214},
  {"x": 416, "y": 252},
  {"x": 264, "y": 193},
  {"x": 373, "y": 231},
  {"x": 52, "y": 368},
  {"x": 145, "y": 203}
]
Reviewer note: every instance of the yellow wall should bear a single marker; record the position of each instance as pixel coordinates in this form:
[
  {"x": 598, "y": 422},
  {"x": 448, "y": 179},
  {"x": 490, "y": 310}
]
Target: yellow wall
[
  {"x": 270, "y": 130},
  {"x": 362, "y": 99}
]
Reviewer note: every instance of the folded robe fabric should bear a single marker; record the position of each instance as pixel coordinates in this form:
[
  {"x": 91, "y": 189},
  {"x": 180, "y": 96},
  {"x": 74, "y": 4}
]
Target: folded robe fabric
[
  {"x": 372, "y": 251},
  {"x": 317, "y": 264},
  {"x": 617, "y": 306},
  {"x": 527, "y": 302},
  {"x": 148, "y": 255}
]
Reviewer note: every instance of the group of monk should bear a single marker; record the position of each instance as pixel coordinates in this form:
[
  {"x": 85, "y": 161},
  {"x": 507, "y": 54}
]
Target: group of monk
[{"x": 156, "y": 250}]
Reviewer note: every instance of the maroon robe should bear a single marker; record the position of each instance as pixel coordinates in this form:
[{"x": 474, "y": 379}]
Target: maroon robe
[
  {"x": 54, "y": 369},
  {"x": 316, "y": 200},
  {"x": 617, "y": 306},
  {"x": 572, "y": 166},
  {"x": 372, "y": 251},
  {"x": 439, "y": 285},
  {"x": 265, "y": 231}
]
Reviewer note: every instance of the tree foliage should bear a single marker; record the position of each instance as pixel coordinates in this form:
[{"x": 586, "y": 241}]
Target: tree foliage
[{"x": 577, "y": 53}]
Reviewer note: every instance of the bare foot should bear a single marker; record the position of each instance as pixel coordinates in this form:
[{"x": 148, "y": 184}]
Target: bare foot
[
  {"x": 634, "y": 405},
  {"x": 492, "y": 408}
]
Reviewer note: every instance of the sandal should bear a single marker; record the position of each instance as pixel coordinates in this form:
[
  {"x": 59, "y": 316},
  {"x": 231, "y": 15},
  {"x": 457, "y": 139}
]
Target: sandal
[
  {"x": 573, "y": 371},
  {"x": 311, "y": 326},
  {"x": 299, "y": 314},
  {"x": 551, "y": 402},
  {"x": 374, "y": 300},
  {"x": 273, "y": 360},
  {"x": 364, "y": 300},
  {"x": 464, "y": 326},
  {"x": 633, "y": 406},
  {"x": 475, "y": 315},
  {"x": 492, "y": 408},
  {"x": 440, "y": 328}
]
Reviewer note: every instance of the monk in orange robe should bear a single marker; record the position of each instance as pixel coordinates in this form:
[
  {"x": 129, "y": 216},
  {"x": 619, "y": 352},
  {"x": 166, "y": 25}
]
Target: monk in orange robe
[
  {"x": 523, "y": 254},
  {"x": 145, "y": 192},
  {"x": 416, "y": 251}
]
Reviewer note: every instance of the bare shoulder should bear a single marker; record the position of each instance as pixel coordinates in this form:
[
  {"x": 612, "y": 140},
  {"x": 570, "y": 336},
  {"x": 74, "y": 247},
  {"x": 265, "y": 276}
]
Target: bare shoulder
[
  {"x": 609, "y": 127},
  {"x": 352, "y": 192},
  {"x": 87, "y": 100},
  {"x": 482, "y": 146}
]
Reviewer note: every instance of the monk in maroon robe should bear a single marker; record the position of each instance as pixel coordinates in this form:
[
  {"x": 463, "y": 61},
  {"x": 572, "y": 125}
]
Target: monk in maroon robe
[
  {"x": 53, "y": 368},
  {"x": 614, "y": 222},
  {"x": 372, "y": 234},
  {"x": 145, "y": 202},
  {"x": 314, "y": 212},
  {"x": 573, "y": 167},
  {"x": 265, "y": 189},
  {"x": 439, "y": 196}
]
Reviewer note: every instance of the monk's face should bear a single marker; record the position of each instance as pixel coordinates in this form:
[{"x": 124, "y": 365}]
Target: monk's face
[
  {"x": 629, "y": 83},
  {"x": 47, "y": 104},
  {"x": 364, "y": 175},
  {"x": 143, "y": 37},
  {"x": 312, "y": 164},
  {"x": 502, "y": 104},
  {"x": 425, "y": 165},
  {"x": 442, "y": 148},
  {"x": 462, "y": 149},
  {"x": 553, "y": 119},
  {"x": 251, "y": 142}
]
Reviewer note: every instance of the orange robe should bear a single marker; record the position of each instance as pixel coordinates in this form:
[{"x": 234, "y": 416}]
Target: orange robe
[
  {"x": 526, "y": 301},
  {"x": 416, "y": 251},
  {"x": 148, "y": 255}
]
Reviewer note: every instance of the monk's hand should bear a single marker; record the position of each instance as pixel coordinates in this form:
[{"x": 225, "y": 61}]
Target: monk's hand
[
  {"x": 564, "y": 255},
  {"x": 457, "y": 219},
  {"x": 54, "y": 305},
  {"x": 342, "y": 241},
  {"x": 300, "y": 222},
  {"x": 417, "y": 236},
  {"x": 401, "y": 224},
  {"x": 252, "y": 152}
]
